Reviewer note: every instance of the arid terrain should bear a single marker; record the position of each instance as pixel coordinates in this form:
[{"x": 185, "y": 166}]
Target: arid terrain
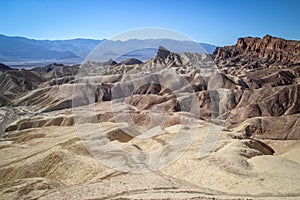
[{"x": 178, "y": 126}]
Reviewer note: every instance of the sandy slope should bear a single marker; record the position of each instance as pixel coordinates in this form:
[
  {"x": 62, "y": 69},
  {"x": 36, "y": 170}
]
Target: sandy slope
[{"x": 52, "y": 163}]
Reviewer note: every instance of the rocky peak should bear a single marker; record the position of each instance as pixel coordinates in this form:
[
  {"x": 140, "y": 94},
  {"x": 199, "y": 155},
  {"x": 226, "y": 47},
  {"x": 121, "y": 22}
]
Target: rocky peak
[
  {"x": 267, "y": 38},
  {"x": 166, "y": 57},
  {"x": 162, "y": 53}
]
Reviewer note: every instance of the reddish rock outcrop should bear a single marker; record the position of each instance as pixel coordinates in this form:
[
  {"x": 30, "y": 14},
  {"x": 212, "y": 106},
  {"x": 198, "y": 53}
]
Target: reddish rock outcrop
[{"x": 271, "y": 48}]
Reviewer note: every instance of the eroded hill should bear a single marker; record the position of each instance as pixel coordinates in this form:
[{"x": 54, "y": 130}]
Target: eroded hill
[{"x": 233, "y": 117}]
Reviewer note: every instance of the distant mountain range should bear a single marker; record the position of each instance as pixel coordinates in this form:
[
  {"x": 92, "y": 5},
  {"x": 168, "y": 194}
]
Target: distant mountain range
[
  {"x": 21, "y": 51},
  {"x": 24, "y": 50}
]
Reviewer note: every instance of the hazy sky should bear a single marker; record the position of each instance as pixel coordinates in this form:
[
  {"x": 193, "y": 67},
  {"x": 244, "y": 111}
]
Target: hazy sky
[{"x": 216, "y": 22}]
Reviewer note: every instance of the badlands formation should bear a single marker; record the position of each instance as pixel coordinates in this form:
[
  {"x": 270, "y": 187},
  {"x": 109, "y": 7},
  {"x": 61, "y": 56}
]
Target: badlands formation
[{"x": 179, "y": 126}]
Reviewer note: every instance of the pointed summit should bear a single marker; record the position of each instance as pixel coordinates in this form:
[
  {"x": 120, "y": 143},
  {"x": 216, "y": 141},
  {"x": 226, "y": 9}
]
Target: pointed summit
[
  {"x": 166, "y": 57},
  {"x": 162, "y": 53}
]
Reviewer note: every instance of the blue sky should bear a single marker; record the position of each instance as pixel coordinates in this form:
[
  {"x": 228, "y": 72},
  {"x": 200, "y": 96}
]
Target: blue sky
[{"x": 218, "y": 22}]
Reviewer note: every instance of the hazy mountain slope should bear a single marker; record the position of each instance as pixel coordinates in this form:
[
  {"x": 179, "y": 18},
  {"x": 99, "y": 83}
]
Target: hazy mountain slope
[
  {"x": 21, "y": 49},
  {"x": 81, "y": 47}
]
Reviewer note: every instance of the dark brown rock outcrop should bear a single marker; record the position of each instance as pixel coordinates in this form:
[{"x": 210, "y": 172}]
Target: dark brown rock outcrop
[
  {"x": 271, "y": 48},
  {"x": 164, "y": 56},
  {"x": 4, "y": 67},
  {"x": 270, "y": 69},
  {"x": 251, "y": 54}
]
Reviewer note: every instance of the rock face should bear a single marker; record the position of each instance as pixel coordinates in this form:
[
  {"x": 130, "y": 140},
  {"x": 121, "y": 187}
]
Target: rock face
[
  {"x": 270, "y": 48},
  {"x": 242, "y": 107},
  {"x": 164, "y": 56},
  {"x": 15, "y": 82},
  {"x": 269, "y": 67},
  {"x": 4, "y": 67},
  {"x": 255, "y": 53}
]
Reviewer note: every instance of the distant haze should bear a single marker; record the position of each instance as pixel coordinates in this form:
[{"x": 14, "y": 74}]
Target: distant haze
[{"x": 24, "y": 52}]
